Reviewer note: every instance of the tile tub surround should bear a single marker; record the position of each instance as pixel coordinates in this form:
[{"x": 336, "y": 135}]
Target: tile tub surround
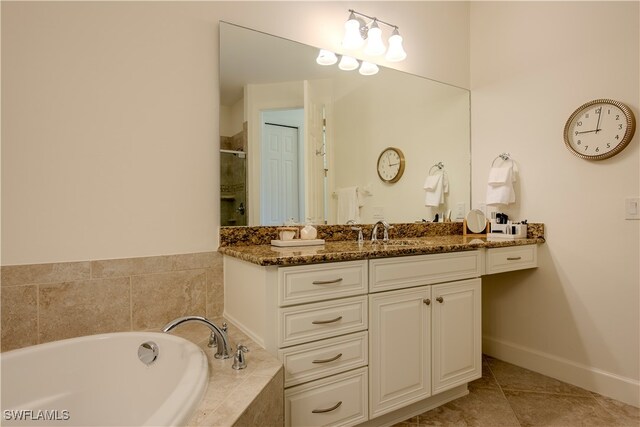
[
  {"x": 350, "y": 250},
  {"x": 253, "y": 396},
  {"x": 49, "y": 302},
  {"x": 508, "y": 395}
]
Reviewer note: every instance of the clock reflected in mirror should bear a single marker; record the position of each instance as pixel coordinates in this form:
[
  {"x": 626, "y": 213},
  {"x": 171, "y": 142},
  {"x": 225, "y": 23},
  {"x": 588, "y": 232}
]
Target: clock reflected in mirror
[
  {"x": 599, "y": 129},
  {"x": 391, "y": 165}
]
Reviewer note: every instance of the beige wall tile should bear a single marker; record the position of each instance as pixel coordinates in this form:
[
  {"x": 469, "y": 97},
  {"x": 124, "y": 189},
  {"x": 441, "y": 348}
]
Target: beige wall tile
[
  {"x": 44, "y": 273},
  {"x": 19, "y": 316},
  {"x": 267, "y": 409},
  {"x": 83, "y": 308},
  {"x": 194, "y": 261},
  {"x": 215, "y": 288},
  {"x": 160, "y": 298},
  {"x": 130, "y": 266}
]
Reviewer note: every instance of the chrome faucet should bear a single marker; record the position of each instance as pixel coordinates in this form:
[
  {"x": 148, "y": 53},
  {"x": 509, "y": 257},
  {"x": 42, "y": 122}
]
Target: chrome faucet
[
  {"x": 385, "y": 236},
  {"x": 220, "y": 334}
]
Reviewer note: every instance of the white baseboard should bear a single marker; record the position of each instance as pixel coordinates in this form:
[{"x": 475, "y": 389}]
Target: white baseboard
[{"x": 626, "y": 390}]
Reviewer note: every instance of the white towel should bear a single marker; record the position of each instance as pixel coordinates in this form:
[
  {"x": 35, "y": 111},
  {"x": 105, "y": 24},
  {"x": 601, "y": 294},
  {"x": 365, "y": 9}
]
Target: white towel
[
  {"x": 349, "y": 202},
  {"x": 501, "y": 175},
  {"x": 500, "y": 186},
  {"x": 435, "y": 186}
]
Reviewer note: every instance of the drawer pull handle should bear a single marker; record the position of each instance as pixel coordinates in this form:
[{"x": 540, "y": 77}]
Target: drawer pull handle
[
  {"x": 440, "y": 299},
  {"x": 322, "y": 411},
  {"x": 514, "y": 258},
  {"x": 327, "y": 282},
  {"x": 322, "y": 322},
  {"x": 336, "y": 357}
]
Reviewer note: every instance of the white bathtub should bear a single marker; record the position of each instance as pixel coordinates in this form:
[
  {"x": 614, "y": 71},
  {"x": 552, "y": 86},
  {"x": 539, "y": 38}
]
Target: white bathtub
[{"x": 99, "y": 380}]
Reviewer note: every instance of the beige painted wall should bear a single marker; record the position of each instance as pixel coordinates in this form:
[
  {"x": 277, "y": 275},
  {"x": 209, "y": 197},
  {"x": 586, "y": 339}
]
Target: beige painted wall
[
  {"x": 433, "y": 127},
  {"x": 110, "y": 114},
  {"x": 532, "y": 63}
]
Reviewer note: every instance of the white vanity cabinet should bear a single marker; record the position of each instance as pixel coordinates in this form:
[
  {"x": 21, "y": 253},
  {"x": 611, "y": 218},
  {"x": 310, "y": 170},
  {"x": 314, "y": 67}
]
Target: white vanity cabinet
[
  {"x": 424, "y": 340},
  {"x": 315, "y": 319},
  {"x": 369, "y": 342}
]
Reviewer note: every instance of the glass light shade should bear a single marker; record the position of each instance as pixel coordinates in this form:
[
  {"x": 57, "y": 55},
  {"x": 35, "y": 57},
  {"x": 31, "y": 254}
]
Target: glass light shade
[
  {"x": 396, "y": 52},
  {"x": 368, "y": 69},
  {"x": 375, "y": 46},
  {"x": 326, "y": 57},
  {"x": 348, "y": 63},
  {"x": 352, "y": 39}
]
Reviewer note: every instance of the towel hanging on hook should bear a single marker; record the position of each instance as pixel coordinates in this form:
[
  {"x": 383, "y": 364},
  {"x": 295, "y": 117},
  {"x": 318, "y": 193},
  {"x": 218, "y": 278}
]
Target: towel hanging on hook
[
  {"x": 500, "y": 189},
  {"x": 436, "y": 185}
]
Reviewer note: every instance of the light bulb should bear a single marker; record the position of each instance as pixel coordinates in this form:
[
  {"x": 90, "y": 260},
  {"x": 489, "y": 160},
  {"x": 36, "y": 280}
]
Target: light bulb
[
  {"x": 352, "y": 39},
  {"x": 396, "y": 52},
  {"x": 368, "y": 69},
  {"x": 348, "y": 63},
  {"x": 375, "y": 46},
  {"x": 326, "y": 57}
]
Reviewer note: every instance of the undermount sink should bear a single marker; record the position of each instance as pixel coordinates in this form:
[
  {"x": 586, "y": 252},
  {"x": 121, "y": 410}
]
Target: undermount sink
[{"x": 401, "y": 242}]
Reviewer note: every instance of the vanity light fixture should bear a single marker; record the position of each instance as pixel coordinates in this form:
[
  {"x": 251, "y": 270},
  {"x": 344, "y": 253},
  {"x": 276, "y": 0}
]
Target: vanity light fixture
[
  {"x": 375, "y": 45},
  {"x": 368, "y": 69},
  {"x": 353, "y": 37},
  {"x": 326, "y": 57},
  {"x": 356, "y": 32},
  {"x": 396, "y": 52},
  {"x": 348, "y": 63}
]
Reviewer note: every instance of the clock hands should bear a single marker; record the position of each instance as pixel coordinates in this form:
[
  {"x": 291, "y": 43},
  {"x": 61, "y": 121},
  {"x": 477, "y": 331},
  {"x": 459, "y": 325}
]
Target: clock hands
[
  {"x": 599, "y": 117},
  {"x": 597, "y": 129}
]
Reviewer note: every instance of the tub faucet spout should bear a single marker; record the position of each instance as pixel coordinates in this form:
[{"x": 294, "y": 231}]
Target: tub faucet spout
[{"x": 224, "y": 348}]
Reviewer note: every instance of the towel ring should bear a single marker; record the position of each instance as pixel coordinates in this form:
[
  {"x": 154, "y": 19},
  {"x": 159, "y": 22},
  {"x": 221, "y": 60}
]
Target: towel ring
[
  {"x": 504, "y": 157},
  {"x": 438, "y": 165}
]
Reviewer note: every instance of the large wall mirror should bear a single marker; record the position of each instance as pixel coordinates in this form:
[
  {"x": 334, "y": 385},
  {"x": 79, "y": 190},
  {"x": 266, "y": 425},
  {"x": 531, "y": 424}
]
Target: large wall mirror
[{"x": 301, "y": 141}]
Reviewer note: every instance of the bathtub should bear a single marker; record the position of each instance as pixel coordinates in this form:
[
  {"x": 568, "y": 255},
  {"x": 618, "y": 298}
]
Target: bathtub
[{"x": 100, "y": 380}]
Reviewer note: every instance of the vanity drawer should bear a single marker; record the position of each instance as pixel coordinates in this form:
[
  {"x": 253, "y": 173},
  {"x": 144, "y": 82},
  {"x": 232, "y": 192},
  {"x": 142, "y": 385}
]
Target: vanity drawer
[
  {"x": 499, "y": 260},
  {"x": 310, "y": 283},
  {"x": 307, "y": 362},
  {"x": 404, "y": 272},
  {"x": 310, "y": 322},
  {"x": 340, "y": 400}
]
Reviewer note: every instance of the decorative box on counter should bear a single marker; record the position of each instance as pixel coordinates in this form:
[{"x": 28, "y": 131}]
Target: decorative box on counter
[{"x": 507, "y": 231}]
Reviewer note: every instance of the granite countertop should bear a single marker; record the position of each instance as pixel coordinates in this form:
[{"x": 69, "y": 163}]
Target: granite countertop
[{"x": 332, "y": 251}]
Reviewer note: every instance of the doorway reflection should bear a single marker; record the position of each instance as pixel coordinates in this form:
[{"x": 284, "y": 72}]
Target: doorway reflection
[{"x": 233, "y": 187}]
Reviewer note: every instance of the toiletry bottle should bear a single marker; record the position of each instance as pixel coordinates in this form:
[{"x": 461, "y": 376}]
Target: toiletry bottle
[{"x": 308, "y": 232}]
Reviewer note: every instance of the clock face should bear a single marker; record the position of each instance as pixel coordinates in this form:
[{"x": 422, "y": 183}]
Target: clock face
[
  {"x": 599, "y": 129},
  {"x": 391, "y": 165}
]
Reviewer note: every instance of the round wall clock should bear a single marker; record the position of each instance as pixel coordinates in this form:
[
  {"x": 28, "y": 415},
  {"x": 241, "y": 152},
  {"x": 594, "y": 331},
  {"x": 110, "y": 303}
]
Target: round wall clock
[
  {"x": 391, "y": 165},
  {"x": 599, "y": 129}
]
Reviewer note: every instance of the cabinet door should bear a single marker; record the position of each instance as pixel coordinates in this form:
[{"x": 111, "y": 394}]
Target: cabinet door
[
  {"x": 457, "y": 350},
  {"x": 399, "y": 349}
]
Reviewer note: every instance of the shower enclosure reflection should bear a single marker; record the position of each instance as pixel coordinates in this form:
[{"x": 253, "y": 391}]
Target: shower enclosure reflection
[{"x": 233, "y": 187}]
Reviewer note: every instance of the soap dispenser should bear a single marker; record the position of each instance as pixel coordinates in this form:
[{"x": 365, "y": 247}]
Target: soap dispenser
[{"x": 308, "y": 232}]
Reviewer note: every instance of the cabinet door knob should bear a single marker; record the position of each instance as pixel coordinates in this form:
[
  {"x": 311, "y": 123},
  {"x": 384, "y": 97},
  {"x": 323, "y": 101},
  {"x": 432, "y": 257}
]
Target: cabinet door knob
[
  {"x": 440, "y": 299},
  {"x": 427, "y": 301}
]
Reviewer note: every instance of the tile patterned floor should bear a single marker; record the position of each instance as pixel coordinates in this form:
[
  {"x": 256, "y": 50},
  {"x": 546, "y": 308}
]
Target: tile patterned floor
[{"x": 508, "y": 395}]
